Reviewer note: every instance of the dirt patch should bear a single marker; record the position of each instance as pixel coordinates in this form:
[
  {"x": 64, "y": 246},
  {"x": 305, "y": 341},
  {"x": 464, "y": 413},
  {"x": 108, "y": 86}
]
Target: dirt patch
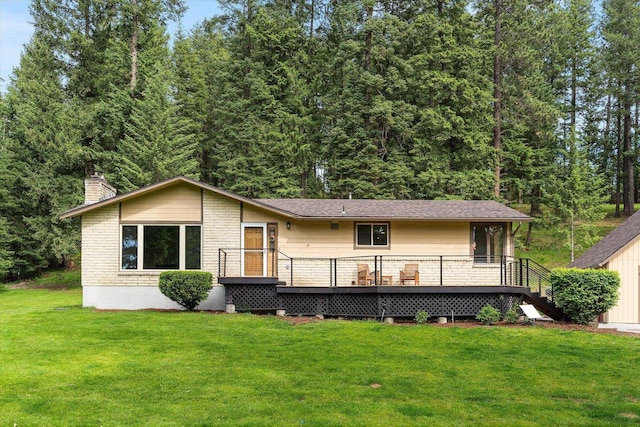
[
  {"x": 566, "y": 326},
  {"x": 49, "y": 286},
  {"x": 629, "y": 415}
]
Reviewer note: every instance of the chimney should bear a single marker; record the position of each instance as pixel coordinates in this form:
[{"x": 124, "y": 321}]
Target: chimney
[{"x": 97, "y": 189}]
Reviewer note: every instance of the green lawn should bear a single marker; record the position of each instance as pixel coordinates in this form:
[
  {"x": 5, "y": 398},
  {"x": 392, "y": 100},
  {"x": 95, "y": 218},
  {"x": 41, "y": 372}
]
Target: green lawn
[{"x": 64, "y": 365}]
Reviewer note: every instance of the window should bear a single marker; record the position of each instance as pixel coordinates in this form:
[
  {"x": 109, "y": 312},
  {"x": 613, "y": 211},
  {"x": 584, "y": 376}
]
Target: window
[
  {"x": 129, "y": 247},
  {"x": 487, "y": 242},
  {"x": 373, "y": 235},
  {"x": 161, "y": 247}
]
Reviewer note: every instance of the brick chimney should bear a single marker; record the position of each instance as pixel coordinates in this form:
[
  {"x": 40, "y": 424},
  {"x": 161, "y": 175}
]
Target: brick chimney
[{"x": 97, "y": 189}]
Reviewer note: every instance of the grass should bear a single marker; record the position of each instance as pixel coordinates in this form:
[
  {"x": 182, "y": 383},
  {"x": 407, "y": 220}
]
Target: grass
[{"x": 62, "y": 365}]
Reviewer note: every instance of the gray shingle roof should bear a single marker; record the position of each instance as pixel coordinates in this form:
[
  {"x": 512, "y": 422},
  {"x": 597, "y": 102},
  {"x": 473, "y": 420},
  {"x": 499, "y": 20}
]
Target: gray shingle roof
[
  {"x": 613, "y": 242},
  {"x": 450, "y": 210}
]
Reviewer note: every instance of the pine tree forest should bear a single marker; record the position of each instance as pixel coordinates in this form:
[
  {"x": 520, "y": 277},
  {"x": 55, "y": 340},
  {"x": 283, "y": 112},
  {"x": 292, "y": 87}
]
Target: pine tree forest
[{"x": 519, "y": 101}]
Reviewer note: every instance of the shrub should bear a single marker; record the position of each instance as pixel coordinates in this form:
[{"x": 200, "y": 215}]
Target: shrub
[
  {"x": 511, "y": 316},
  {"x": 584, "y": 294},
  {"x": 187, "y": 288},
  {"x": 488, "y": 315},
  {"x": 422, "y": 317}
]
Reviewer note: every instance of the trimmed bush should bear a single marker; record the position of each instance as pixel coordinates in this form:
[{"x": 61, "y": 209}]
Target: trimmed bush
[
  {"x": 187, "y": 288},
  {"x": 488, "y": 315},
  {"x": 584, "y": 294},
  {"x": 422, "y": 317},
  {"x": 511, "y": 316}
]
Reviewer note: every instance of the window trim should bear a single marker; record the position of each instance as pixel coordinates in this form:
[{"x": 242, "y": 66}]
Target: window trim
[
  {"x": 182, "y": 246},
  {"x": 372, "y": 245}
]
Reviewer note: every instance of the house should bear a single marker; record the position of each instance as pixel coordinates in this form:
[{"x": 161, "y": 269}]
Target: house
[
  {"x": 314, "y": 246},
  {"x": 619, "y": 251}
]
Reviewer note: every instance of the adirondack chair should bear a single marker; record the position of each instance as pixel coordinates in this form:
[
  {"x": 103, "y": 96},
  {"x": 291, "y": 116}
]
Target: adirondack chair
[
  {"x": 365, "y": 277},
  {"x": 410, "y": 272}
]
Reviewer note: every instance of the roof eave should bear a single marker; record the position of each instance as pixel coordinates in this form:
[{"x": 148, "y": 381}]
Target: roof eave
[{"x": 408, "y": 219}]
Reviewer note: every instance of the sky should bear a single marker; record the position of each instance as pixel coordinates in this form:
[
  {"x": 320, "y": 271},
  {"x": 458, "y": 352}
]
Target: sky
[{"x": 16, "y": 29}]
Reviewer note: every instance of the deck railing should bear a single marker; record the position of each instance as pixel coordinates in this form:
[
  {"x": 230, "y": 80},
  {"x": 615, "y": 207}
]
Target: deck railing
[{"x": 438, "y": 270}]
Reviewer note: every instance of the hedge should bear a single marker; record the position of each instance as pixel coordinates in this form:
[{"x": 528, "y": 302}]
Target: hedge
[
  {"x": 187, "y": 288},
  {"x": 584, "y": 294}
]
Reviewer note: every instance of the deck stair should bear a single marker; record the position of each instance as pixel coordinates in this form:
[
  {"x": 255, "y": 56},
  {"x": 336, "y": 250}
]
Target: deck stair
[
  {"x": 543, "y": 305},
  {"x": 538, "y": 288}
]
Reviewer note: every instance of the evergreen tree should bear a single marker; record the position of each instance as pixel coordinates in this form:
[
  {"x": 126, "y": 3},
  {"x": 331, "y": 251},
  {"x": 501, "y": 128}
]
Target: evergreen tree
[
  {"x": 621, "y": 32},
  {"x": 158, "y": 143},
  {"x": 576, "y": 197},
  {"x": 46, "y": 167}
]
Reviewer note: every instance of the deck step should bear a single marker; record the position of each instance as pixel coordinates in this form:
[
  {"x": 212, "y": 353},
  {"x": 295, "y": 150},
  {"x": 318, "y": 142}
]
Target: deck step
[{"x": 543, "y": 305}]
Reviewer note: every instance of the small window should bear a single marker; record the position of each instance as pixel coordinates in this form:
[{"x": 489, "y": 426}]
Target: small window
[
  {"x": 372, "y": 235},
  {"x": 192, "y": 248},
  {"x": 487, "y": 242},
  {"x": 130, "y": 247}
]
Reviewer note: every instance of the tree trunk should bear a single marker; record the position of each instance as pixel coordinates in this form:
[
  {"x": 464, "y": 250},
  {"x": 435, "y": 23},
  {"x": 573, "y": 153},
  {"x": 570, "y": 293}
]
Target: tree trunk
[
  {"x": 618, "y": 164},
  {"x": 529, "y": 230},
  {"x": 367, "y": 49},
  {"x": 497, "y": 96},
  {"x": 134, "y": 45},
  {"x": 627, "y": 162}
]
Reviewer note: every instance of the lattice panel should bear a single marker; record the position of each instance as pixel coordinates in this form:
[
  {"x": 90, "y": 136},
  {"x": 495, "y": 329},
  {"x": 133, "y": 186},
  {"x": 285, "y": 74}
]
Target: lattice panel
[
  {"x": 246, "y": 297},
  {"x": 409, "y": 305},
  {"x": 298, "y": 304},
  {"x": 468, "y": 305},
  {"x": 511, "y": 302},
  {"x": 354, "y": 305}
]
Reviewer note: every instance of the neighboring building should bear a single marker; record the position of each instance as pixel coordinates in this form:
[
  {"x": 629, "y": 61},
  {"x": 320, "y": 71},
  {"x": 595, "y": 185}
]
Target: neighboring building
[
  {"x": 128, "y": 239},
  {"x": 619, "y": 251}
]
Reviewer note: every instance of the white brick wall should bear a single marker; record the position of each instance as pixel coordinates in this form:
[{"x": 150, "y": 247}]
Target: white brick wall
[
  {"x": 101, "y": 274},
  {"x": 221, "y": 229}
]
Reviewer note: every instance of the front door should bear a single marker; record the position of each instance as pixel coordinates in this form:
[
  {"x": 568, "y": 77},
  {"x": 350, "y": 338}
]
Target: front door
[{"x": 254, "y": 251}]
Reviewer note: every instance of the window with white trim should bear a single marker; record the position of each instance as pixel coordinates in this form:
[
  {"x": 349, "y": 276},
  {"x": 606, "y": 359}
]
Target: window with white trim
[
  {"x": 161, "y": 247},
  {"x": 372, "y": 235}
]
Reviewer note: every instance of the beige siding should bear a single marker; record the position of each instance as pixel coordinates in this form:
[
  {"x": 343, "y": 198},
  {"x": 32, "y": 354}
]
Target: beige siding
[
  {"x": 627, "y": 264},
  {"x": 317, "y": 239},
  {"x": 177, "y": 204}
]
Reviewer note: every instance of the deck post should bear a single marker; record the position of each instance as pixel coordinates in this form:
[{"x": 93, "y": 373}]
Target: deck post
[
  {"x": 375, "y": 270},
  {"x": 331, "y": 272},
  {"x": 522, "y": 281},
  {"x": 441, "y": 270}
]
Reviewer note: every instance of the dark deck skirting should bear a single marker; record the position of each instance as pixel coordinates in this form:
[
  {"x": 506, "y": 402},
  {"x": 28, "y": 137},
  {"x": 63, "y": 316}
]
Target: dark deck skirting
[{"x": 259, "y": 294}]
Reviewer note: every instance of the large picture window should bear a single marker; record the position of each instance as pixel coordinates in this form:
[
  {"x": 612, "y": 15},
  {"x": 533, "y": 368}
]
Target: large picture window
[
  {"x": 372, "y": 235},
  {"x": 161, "y": 247},
  {"x": 487, "y": 241}
]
